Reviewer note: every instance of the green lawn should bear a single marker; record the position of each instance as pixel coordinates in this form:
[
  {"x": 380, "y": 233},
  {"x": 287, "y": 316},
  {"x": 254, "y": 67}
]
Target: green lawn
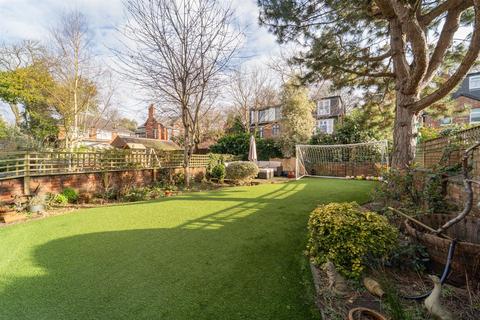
[{"x": 235, "y": 253}]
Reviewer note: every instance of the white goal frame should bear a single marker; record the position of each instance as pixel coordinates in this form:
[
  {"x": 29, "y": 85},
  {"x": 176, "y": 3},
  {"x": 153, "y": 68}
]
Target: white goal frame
[{"x": 373, "y": 153}]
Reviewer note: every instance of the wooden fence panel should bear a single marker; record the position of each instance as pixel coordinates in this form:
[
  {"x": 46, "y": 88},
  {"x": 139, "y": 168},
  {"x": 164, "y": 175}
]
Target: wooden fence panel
[
  {"x": 446, "y": 150},
  {"x": 21, "y": 164}
]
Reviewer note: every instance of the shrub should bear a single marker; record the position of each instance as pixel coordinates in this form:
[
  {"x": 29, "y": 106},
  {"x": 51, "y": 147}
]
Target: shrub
[
  {"x": 178, "y": 178},
  {"x": 59, "y": 199},
  {"x": 199, "y": 177},
  {"x": 137, "y": 194},
  {"x": 218, "y": 172},
  {"x": 349, "y": 237},
  {"x": 409, "y": 256},
  {"x": 214, "y": 160},
  {"x": 241, "y": 171},
  {"x": 154, "y": 192},
  {"x": 268, "y": 148},
  {"x": 85, "y": 197},
  {"x": 236, "y": 144},
  {"x": 399, "y": 186},
  {"x": 70, "y": 194}
]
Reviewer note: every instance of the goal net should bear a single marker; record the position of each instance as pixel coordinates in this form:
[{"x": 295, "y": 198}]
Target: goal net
[{"x": 360, "y": 160}]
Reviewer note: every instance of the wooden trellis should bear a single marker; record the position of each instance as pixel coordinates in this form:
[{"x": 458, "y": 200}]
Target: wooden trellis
[{"x": 22, "y": 164}]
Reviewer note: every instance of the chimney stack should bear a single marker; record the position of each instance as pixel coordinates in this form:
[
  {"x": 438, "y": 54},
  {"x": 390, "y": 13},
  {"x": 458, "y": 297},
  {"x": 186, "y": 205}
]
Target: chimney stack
[{"x": 151, "y": 111}]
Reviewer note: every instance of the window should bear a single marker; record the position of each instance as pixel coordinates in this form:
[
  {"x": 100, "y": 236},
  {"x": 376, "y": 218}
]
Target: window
[
  {"x": 474, "y": 82},
  {"x": 252, "y": 116},
  {"x": 270, "y": 114},
  {"x": 266, "y": 115},
  {"x": 445, "y": 121},
  {"x": 262, "y": 115},
  {"x": 323, "y": 107},
  {"x": 278, "y": 113},
  {"x": 275, "y": 129},
  {"x": 325, "y": 126},
  {"x": 260, "y": 132},
  {"x": 475, "y": 115}
]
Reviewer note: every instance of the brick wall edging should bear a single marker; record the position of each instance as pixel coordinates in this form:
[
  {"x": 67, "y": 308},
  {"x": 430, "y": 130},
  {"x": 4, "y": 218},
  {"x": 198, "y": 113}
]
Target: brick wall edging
[{"x": 91, "y": 182}]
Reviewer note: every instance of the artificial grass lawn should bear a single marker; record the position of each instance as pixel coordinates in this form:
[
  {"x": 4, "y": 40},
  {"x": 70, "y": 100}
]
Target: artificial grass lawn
[{"x": 235, "y": 253}]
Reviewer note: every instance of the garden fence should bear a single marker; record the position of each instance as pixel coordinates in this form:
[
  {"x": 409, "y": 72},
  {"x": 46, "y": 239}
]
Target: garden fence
[
  {"x": 446, "y": 151},
  {"x": 26, "y": 164}
]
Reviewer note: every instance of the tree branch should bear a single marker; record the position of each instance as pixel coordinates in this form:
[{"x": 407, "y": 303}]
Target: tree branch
[
  {"x": 428, "y": 17},
  {"x": 366, "y": 73},
  {"x": 467, "y": 62},
  {"x": 418, "y": 40},
  {"x": 445, "y": 40},
  {"x": 378, "y": 58}
]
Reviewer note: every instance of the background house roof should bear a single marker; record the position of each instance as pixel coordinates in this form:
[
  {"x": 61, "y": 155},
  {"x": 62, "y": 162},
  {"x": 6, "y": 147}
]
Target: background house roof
[
  {"x": 464, "y": 89},
  {"x": 91, "y": 121},
  {"x": 164, "y": 145}
]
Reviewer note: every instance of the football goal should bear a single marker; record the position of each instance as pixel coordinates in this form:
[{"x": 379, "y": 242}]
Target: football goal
[{"x": 359, "y": 160}]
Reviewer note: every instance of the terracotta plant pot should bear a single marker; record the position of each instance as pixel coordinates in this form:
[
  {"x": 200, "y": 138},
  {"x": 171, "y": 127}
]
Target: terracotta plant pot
[
  {"x": 364, "y": 314},
  {"x": 291, "y": 174}
]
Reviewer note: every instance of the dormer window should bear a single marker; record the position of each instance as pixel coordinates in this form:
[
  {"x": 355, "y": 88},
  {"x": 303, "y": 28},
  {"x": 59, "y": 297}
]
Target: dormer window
[
  {"x": 474, "y": 83},
  {"x": 323, "y": 107},
  {"x": 475, "y": 115}
]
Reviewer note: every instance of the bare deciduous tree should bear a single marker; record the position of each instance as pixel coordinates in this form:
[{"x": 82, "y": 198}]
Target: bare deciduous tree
[
  {"x": 74, "y": 71},
  {"x": 177, "y": 51},
  {"x": 251, "y": 89}
]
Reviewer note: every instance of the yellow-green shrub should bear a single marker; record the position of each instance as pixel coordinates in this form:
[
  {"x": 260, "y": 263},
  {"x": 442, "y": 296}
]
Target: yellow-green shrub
[{"x": 347, "y": 236}]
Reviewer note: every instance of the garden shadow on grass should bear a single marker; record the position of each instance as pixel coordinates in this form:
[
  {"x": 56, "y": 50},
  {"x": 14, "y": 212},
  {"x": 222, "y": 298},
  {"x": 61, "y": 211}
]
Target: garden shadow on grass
[{"x": 242, "y": 262}]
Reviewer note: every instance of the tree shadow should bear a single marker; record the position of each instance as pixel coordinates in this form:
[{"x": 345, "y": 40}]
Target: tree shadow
[{"x": 241, "y": 262}]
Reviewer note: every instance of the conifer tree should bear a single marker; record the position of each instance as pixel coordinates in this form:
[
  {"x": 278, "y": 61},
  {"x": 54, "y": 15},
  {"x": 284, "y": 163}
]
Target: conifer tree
[{"x": 383, "y": 46}]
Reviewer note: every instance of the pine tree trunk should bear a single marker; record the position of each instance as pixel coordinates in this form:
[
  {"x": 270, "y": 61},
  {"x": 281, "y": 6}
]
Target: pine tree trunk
[{"x": 404, "y": 132}]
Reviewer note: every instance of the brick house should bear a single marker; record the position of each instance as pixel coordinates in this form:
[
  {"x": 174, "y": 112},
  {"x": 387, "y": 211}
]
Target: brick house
[
  {"x": 328, "y": 112},
  {"x": 153, "y": 128},
  {"x": 467, "y": 105},
  {"x": 267, "y": 121}
]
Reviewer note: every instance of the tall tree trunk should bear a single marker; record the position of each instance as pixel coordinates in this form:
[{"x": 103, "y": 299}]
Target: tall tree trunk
[
  {"x": 16, "y": 114},
  {"x": 404, "y": 132},
  {"x": 247, "y": 119},
  {"x": 186, "y": 156}
]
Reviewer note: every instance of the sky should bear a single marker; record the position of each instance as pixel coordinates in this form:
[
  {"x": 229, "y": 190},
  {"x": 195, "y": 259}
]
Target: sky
[{"x": 32, "y": 19}]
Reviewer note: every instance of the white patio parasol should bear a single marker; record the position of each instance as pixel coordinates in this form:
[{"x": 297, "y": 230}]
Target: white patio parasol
[{"x": 252, "y": 151}]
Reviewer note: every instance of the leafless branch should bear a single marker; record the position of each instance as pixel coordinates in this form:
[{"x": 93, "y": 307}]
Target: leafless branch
[{"x": 178, "y": 51}]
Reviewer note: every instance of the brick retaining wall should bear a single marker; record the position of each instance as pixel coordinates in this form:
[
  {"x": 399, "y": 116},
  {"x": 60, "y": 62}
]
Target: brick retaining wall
[
  {"x": 453, "y": 189},
  {"x": 82, "y": 182},
  {"x": 455, "y": 193}
]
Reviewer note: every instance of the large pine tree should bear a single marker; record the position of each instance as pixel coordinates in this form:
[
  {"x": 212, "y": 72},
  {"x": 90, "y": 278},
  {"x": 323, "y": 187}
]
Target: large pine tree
[{"x": 382, "y": 45}]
